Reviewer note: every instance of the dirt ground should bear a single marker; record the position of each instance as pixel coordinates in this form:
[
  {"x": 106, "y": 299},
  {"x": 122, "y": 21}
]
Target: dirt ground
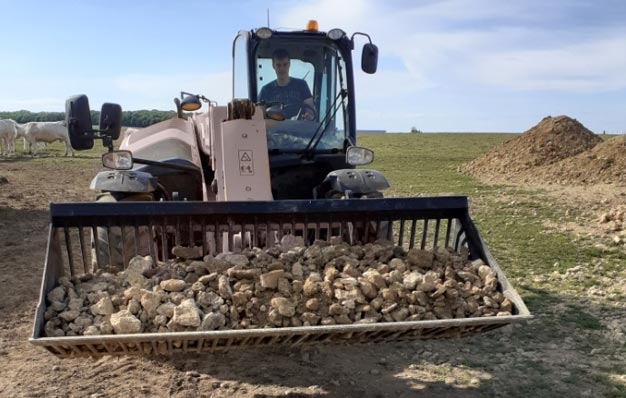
[{"x": 504, "y": 360}]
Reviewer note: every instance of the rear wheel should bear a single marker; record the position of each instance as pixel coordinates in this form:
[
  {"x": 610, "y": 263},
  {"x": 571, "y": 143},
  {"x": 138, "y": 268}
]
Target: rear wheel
[{"x": 115, "y": 246}]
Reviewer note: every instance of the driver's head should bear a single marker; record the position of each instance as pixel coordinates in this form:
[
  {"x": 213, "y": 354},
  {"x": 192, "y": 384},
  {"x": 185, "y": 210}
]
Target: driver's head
[{"x": 280, "y": 63}]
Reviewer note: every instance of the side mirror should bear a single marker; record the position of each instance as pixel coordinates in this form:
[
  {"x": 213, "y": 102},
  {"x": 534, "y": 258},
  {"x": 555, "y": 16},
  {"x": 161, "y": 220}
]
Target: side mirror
[
  {"x": 80, "y": 129},
  {"x": 369, "y": 58},
  {"x": 78, "y": 120},
  {"x": 111, "y": 120}
]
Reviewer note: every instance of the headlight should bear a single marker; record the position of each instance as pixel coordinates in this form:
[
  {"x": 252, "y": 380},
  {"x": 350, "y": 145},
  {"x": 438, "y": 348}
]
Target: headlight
[
  {"x": 358, "y": 156},
  {"x": 264, "y": 33},
  {"x": 336, "y": 34},
  {"x": 118, "y": 160}
]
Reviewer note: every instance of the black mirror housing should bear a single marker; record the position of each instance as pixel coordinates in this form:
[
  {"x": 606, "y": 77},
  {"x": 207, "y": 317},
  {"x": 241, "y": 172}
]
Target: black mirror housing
[
  {"x": 369, "y": 58},
  {"x": 78, "y": 120},
  {"x": 111, "y": 120},
  {"x": 80, "y": 129}
]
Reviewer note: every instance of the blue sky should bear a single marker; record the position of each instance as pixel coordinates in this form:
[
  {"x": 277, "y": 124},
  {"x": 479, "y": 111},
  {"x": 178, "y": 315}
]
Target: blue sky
[{"x": 446, "y": 65}]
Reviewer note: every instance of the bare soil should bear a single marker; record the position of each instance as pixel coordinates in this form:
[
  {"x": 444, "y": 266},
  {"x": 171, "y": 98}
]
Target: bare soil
[
  {"x": 513, "y": 361},
  {"x": 569, "y": 163},
  {"x": 550, "y": 141}
]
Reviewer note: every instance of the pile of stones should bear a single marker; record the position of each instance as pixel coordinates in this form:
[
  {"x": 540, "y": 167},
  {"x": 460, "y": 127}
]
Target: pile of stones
[{"x": 327, "y": 283}]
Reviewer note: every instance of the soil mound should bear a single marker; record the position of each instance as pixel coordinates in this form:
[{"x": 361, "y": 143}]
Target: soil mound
[
  {"x": 550, "y": 141},
  {"x": 603, "y": 164}
]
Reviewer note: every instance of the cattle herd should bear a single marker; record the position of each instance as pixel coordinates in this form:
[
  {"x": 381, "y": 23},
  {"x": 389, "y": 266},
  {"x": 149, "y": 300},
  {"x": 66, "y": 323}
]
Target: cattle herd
[{"x": 33, "y": 133}]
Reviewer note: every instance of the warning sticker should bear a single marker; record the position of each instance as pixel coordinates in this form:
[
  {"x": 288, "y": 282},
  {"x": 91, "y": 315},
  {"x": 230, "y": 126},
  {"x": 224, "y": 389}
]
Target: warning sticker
[{"x": 246, "y": 165}]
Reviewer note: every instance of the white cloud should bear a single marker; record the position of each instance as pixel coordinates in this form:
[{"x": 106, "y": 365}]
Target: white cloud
[
  {"x": 131, "y": 91},
  {"x": 42, "y": 94},
  {"x": 347, "y": 15},
  {"x": 34, "y": 104},
  {"x": 444, "y": 43},
  {"x": 436, "y": 55},
  {"x": 147, "y": 91},
  {"x": 597, "y": 65},
  {"x": 436, "y": 59}
]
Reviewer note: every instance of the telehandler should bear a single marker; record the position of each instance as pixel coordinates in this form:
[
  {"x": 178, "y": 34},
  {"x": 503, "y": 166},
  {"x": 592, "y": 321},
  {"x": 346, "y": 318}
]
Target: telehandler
[{"x": 245, "y": 175}]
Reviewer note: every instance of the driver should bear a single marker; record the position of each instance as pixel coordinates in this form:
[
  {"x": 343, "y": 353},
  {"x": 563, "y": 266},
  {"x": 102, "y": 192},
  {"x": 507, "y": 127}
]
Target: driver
[{"x": 292, "y": 92}]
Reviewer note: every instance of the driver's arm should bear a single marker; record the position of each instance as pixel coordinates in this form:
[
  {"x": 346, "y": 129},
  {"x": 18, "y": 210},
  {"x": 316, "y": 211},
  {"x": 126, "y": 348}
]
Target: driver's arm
[
  {"x": 308, "y": 96},
  {"x": 309, "y": 113},
  {"x": 309, "y": 101}
]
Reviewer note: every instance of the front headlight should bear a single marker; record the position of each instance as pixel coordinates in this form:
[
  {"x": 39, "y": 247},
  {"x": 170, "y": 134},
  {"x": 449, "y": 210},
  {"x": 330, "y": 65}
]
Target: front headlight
[
  {"x": 359, "y": 156},
  {"x": 118, "y": 160},
  {"x": 336, "y": 34},
  {"x": 264, "y": 33}
]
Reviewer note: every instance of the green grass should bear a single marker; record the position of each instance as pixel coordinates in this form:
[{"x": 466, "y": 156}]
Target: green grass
[
  {"x": 425, "y": 164},
  {"x": 511, "y": 220},
  {"x": 535, "y": 258}
]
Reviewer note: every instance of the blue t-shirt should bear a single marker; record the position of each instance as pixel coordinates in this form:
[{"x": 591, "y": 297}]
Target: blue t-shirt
[{"x": 291, "y": 96}]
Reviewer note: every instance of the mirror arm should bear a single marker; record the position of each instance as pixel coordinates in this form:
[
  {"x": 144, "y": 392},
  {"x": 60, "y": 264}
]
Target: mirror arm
[
  {"x": 362, "y": 34},
  {"x": 107, "y": 142},
  {"x": 179, "y": 110}
]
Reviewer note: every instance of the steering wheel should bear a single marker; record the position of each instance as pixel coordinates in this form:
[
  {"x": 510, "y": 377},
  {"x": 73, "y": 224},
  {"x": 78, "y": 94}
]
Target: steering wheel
[
  {"x": 275, "y": 111},
  {"x": 307, "y": 112}
]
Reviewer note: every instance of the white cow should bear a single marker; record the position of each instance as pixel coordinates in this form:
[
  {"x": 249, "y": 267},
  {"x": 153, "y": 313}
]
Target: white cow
[
  {"x": 22, "y": 133},
  {"x": 8, "y": 135},
  {"x": 47, "y": 132}
]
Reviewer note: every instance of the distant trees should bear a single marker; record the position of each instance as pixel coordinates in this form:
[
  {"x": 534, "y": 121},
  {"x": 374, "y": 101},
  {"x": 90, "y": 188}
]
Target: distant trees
[
  {"x": 415, "y": 130},
  {"x": 28, "y": 116},
  {"x": 144, "y": 118},
  {"x": 140, "y": 118}
]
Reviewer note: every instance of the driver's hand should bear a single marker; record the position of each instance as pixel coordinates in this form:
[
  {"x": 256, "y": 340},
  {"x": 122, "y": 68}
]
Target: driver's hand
[{"x": 308, "y": 114}]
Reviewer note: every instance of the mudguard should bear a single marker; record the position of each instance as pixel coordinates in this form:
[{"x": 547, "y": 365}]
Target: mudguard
[
  {"x": 357, "y": 181},
  {"x": 124, "y": 181}
]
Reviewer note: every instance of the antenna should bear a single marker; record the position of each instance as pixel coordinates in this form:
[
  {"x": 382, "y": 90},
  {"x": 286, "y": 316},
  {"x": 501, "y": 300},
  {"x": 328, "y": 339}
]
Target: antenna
[{"x": 268, "y": 17}]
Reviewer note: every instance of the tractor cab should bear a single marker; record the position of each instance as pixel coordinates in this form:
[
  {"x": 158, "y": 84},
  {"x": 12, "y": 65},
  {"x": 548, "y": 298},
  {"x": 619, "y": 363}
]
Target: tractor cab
[{"x": 302, "y": 148}]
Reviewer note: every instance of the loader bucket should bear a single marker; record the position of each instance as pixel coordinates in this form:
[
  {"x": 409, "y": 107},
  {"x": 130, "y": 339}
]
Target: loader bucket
[{"x": 425, "y": 222}]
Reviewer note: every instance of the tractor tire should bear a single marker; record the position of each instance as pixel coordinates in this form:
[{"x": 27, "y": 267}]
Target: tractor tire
[
  {"x": 109, "y": 249},
  {"x": 384, "y": 230},
  {"x": 365, "y": 233}
]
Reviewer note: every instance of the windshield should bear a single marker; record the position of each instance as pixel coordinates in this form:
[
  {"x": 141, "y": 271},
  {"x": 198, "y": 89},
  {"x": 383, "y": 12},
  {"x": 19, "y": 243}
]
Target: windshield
[{"x": 290, "y": 78}]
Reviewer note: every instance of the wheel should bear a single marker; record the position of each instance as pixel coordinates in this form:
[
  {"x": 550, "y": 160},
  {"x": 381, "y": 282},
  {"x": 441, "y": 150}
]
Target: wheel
[
  {"x": 115, "y": 247},
  {"x": 364, "y": 232}
]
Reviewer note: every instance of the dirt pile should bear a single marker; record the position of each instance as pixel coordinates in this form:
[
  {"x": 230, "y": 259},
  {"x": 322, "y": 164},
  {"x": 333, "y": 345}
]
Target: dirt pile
[
  {"x": 603, "y": 164},
  {"x": 550, "y": 141}
]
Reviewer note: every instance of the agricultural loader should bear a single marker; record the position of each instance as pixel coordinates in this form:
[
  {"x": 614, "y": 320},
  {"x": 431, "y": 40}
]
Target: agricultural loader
[{"x": 245, "y": 175}]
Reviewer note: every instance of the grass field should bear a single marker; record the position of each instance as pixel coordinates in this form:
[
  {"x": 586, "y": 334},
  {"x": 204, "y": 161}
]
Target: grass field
[
  {"x": 511, "y": 219},
  {"x": 572, "y": 282},
  {"x": 553, "y": 270}
]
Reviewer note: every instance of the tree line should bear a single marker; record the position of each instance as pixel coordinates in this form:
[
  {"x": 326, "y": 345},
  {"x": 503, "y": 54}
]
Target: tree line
[{"x": 140, "y": 118}]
